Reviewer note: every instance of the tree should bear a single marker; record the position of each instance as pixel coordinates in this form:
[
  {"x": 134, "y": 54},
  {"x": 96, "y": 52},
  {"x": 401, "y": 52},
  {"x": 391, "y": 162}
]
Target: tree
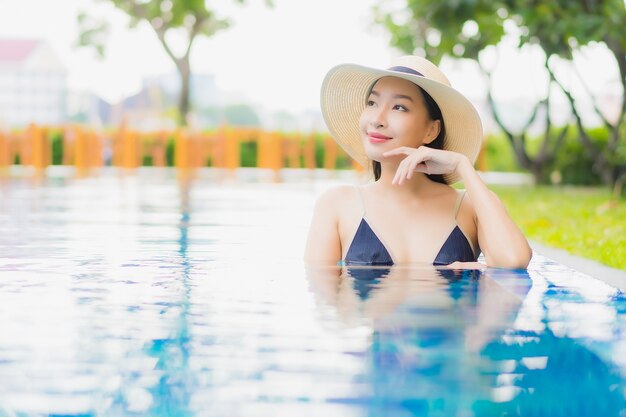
[
  {"x": 467, "y": 28},
  {"x": 193, "y": 18},
  {"x": 562, "y": 28}
]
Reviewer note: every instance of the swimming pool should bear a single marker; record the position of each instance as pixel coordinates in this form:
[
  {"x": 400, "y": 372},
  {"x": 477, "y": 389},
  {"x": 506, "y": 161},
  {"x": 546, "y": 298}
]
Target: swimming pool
[{"x": 143, "y": 294}]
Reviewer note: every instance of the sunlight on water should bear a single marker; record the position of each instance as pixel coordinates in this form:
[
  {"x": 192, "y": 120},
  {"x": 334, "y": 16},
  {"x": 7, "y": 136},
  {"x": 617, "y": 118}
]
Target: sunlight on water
[{"x": 145, "y": 295}]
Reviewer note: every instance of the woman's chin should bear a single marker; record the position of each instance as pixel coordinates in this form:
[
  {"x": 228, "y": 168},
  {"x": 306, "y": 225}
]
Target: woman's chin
[
  {"x": 374, "y": 156},
  {"x": 375, "y": 152}
]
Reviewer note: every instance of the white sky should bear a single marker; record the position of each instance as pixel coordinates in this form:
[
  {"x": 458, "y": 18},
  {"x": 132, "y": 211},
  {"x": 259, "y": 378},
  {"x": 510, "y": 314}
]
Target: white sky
[{"x": 276, "y": 58}]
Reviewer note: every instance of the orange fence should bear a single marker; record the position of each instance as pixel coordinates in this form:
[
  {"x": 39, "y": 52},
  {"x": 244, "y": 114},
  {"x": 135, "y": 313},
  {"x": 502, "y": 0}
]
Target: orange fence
[{"x": 86, "y": 148}]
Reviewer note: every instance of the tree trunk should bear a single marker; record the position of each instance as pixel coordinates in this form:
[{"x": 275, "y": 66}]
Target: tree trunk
[
  {"x": 537, "y": 165},
  {"x": 184, "y": 69},
  {"x": 184, "y": 99}
]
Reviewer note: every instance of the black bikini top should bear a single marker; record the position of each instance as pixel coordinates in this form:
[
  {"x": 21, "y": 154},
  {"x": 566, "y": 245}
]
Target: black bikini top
[{"x": 367, "y": 249}]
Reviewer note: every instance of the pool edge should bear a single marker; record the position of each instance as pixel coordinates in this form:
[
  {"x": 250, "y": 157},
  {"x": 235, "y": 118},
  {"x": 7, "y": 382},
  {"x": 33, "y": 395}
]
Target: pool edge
[{"x": 611, "y": 276}]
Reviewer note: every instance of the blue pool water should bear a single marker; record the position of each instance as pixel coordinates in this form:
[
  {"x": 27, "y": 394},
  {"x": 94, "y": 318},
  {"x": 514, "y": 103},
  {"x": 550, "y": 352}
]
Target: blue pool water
[{"x": 146, "y": 295}]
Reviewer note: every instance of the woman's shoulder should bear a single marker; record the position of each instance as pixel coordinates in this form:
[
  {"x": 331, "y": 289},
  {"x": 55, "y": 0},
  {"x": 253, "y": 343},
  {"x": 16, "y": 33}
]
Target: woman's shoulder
[
  {"x": 338, "y": 197},
  {"x": 338, "y": 193}
]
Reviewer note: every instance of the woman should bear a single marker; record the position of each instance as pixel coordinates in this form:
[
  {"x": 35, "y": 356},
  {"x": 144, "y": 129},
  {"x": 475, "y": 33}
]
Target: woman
[{"x": 419, "y": 136}]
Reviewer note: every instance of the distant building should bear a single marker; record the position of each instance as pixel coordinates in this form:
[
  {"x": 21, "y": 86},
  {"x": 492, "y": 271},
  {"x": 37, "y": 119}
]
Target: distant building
[
  {"x": 203, "y": 91},
  {"x": 32, "y": 83},
  {"x": 146, "y": 110}
]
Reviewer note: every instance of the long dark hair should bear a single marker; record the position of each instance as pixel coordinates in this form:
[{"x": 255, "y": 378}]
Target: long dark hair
[{"x": 434, "y": 112}]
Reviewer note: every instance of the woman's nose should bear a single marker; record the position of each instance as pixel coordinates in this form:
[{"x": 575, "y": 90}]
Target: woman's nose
[{"x": 378, "y": 118}]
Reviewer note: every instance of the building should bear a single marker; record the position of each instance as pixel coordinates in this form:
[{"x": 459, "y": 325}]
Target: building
[
  {"x": 33, "y": 85},
  {"x": 151, "y": 107}
]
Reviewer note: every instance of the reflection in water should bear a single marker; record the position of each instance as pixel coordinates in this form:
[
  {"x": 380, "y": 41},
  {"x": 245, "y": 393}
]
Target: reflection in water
[
  {"x": 447, "y": 343},
  {"x": 172, "y": 393},
  {"x": 366, "y": 279}
]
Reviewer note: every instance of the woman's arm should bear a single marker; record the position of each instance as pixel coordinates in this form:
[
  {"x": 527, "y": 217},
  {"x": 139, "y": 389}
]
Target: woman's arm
[
  {"x": 500, "y": 239},
  {"x": 323, "y": 246}
]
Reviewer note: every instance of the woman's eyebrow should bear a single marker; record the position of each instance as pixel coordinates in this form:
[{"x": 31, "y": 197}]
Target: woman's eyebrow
[
  {"x": 403, "y": 96},
  {"x": 397, "y": 96}
]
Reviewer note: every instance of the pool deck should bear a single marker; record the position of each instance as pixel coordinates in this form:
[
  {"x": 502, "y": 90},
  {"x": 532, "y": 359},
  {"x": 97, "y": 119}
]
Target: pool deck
[{"x": 613, "y": 277}]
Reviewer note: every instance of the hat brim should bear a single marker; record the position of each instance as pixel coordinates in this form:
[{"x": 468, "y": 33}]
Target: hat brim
[{"x": 343, "y": 98}]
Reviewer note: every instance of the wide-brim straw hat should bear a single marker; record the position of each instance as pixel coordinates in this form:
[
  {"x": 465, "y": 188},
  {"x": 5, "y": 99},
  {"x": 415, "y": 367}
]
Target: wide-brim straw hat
[{"x": 346, "y": 88}]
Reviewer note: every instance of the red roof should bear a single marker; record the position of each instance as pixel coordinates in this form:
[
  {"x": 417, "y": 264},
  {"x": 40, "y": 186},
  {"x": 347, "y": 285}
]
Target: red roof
[{"x": 16, "y": 50}]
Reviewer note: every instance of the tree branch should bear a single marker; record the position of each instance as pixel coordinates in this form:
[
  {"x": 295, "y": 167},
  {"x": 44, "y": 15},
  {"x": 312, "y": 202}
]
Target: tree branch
[
  {"x": 543, "y": 155},
  {"x": 195, "y": 29},
  {"x": 160, "y": 31},
  {"x": 594, "y": 102},
  {"x": 517, "y": 141},
  {"x": 579, "y": 123},
  {"x": 601, "y": 162}
]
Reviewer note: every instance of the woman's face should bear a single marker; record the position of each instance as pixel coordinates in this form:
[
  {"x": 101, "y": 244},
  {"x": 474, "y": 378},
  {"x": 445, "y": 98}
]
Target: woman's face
[{"x": 395, "y": 115}]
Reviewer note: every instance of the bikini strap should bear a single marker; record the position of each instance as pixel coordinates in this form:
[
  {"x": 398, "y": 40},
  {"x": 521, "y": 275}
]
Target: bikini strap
[
  {"x": 360, "y": 193},
  {"x": 457, "y": 204}
]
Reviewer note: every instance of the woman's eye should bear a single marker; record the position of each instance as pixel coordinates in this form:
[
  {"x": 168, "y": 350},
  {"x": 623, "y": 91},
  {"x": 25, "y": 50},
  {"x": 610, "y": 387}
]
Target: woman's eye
[
  {"x": 370, "y": 103},
  {"x": 400, "y": 107}
]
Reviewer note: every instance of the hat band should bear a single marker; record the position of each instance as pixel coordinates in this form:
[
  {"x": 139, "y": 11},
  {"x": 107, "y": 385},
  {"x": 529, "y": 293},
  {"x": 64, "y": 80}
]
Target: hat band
[{"x": 406, "y": 69}]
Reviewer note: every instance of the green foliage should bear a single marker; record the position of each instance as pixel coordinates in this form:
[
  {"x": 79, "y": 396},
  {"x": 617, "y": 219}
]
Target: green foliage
[
  {"x": 460, "y": 28},
  {"x": 248, "y": 153},
  {"x": 56, "y": 144},
  {"x": 319, "y": 150},
  {"x": 463, "y": 28},
  {"x": 573, "y": 164},
  {"x": 560, "y": 27},
  {"x": 583, "y": 221},
  {"x": 169, "y": 152},
  {"x": 191, "y": 15},
  {"x": 499, "y": 155},
  {"x": 147, "y": 161},
  {"x": 93, "y": 32}
]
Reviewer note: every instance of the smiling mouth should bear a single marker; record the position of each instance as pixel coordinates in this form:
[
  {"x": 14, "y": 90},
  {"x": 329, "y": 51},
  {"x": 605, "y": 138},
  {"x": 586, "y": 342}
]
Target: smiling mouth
[{"x": 377, "y": 137}]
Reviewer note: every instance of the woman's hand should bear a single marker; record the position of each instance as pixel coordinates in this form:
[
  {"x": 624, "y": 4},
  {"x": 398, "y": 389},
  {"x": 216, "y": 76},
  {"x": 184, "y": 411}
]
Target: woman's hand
[
  {"x": 424, "y": 159},
  {"x": 465, "y": 265}
]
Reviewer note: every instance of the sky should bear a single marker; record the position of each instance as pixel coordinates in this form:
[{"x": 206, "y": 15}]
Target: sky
[
  {"x": 274, "y": 56},
  {"x": 271, "y": 57}
]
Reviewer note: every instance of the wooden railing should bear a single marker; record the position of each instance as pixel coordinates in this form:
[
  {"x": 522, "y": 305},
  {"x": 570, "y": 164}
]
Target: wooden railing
[{"x": 86, "y": 148}]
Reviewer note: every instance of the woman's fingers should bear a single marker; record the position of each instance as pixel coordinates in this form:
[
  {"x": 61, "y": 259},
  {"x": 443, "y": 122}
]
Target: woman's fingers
[
  {"x": 401, "y": 172},
  {"x": 408, "y": 165},
  {"x": 416, "y": 160},
  {"x": 419, "y": 163},
  {"x": 406, "y": 169},
  {"x": 413, "y": 164},
  {"x": 423, "y": 159}
]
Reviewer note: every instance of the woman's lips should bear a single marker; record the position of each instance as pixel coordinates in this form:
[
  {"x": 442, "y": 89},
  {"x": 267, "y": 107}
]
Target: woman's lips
[{"x": 377, "y": 137}]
